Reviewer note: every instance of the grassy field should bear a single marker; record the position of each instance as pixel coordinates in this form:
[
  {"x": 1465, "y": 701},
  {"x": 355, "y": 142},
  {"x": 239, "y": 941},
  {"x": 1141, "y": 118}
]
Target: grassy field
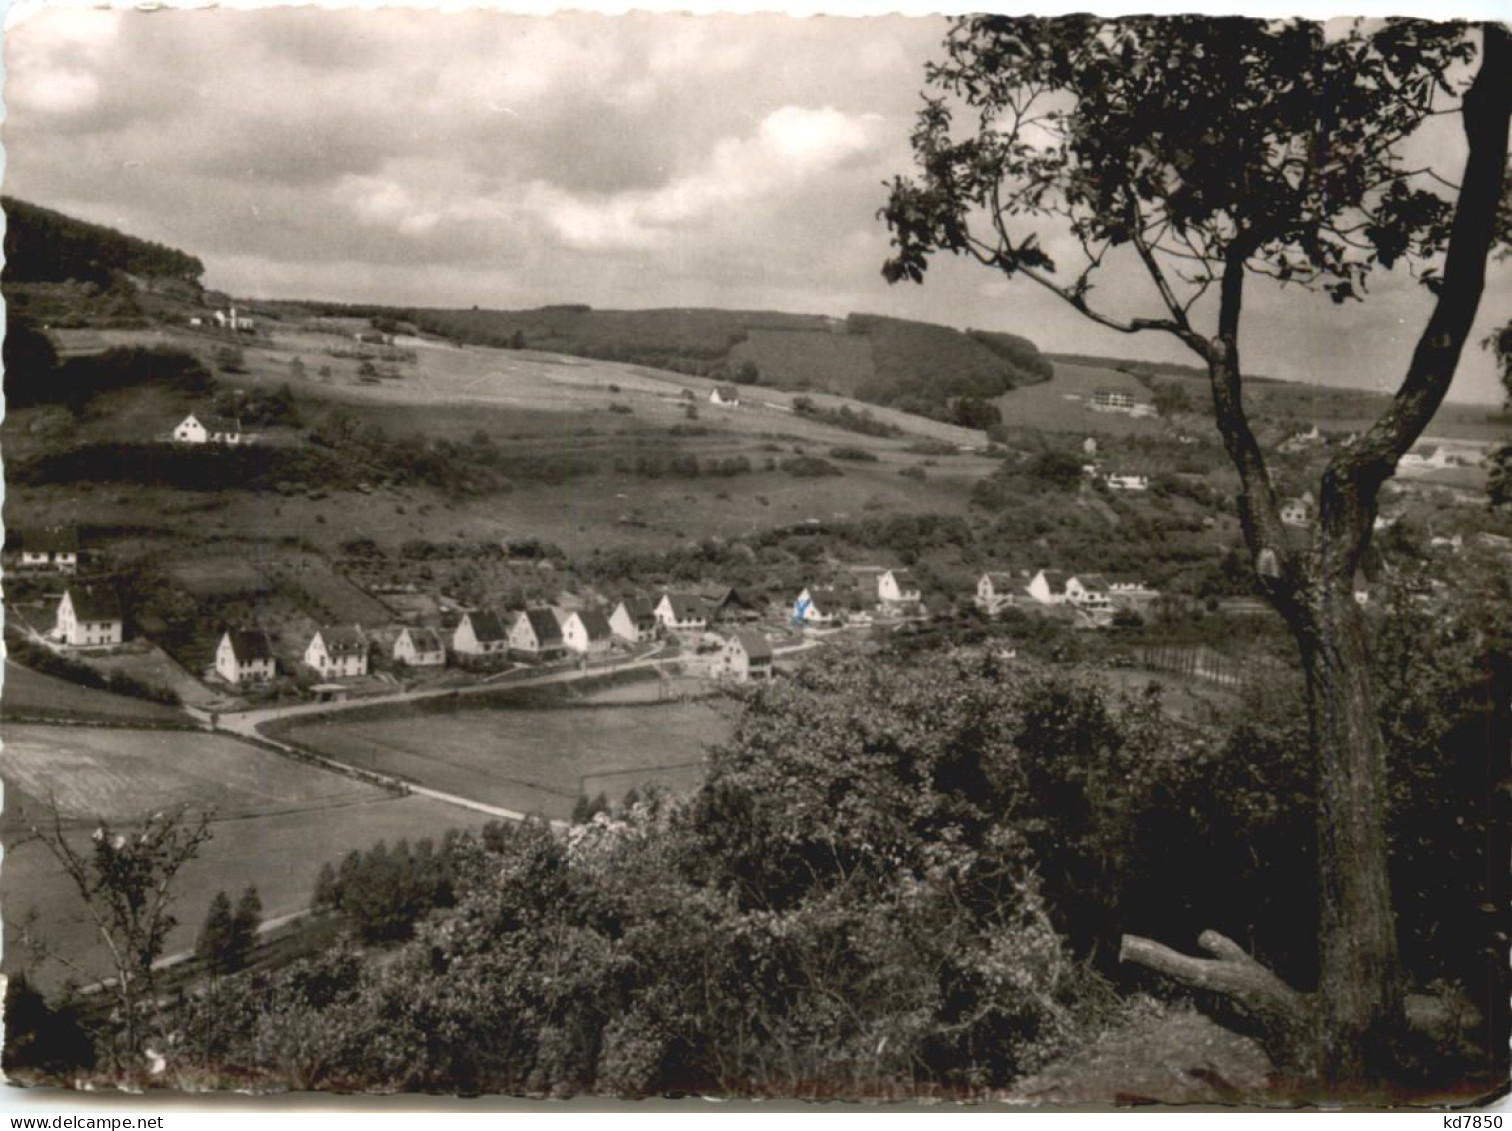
[
  {"x": 31, "y": 694},
  {"x": 1045, "y": 406},
  {"x": 276, "y": 821},
  {"x": 531, "y": 759}
]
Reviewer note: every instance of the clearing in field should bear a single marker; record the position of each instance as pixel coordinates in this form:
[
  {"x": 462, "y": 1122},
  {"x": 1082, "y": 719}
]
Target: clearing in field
[{"x": 536, "y": 760}]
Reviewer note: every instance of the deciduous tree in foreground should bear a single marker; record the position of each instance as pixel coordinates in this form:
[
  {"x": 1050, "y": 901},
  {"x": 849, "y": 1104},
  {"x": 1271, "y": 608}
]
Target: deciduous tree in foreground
[{"x": 1200, "y": 156}]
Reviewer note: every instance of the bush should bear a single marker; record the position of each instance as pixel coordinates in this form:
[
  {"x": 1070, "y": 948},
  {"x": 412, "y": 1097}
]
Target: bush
[
  {"x": 859, "y": 455},
  {"x": 809, "y": 467},
  {"x": 913, "y": 471}
]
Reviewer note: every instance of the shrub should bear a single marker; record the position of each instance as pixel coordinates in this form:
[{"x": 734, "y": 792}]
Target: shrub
[
  {"x": 859, "y": 455},
  {"x": 809, "y": 467}
]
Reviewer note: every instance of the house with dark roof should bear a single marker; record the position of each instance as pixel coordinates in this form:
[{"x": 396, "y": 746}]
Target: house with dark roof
[
  {"x": 682, "y": 612},
  {"x": 726, "y": 604},
  {"x": 634, "y": 620},
  {"x": 245, "y": 655},
  {"x": 480, "y": 633},
  {"x": 725, "y": 396},
  {"x": 746, "y": 656},
  {"x": 898, "y": 587},
  {"x": 1049, "y": 587},
  {"x": 587, "y": 631},
  {"x": 995, "y": 590},
  {"x": 419, "y": 648},
  {"x": 815, "y": 608},
  {"x": 338, "y": 652},
  {"x": 1088, "y": 591},
  {"x": 54, "y": 548},
  {"x": 90, "y": 617},
  {"x": 208, "y": 428},
  {"x": 536, "y": 634}
]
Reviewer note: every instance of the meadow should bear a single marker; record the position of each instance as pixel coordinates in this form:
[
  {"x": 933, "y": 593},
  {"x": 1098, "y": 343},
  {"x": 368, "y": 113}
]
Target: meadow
[
  {"x": 275, "y": 822},
  {"x": 32, "y": 694},
  {"x": 536, "y": 760}
]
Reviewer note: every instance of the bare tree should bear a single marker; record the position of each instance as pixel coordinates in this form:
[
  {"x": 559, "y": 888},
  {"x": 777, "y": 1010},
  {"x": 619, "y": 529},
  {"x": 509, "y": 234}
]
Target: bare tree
[
  {"x": 1207, "y": 155},
  {"x": 125, "y": 879}
]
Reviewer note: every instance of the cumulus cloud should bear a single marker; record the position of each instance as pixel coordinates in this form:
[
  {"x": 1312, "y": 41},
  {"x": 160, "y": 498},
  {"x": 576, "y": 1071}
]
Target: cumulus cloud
[{"x": 477, "y": 157}]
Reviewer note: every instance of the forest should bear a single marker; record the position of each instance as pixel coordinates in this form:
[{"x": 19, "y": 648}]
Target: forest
[{"x": 43, "y": 246}]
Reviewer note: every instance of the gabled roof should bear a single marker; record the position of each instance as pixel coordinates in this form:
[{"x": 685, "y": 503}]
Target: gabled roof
[
  {"x": 639, "y": 609},
  {"x": 95, "y": 604},
  {"x": 727, "y": 392},
  {"x": 1056, "y": 579},
  {"x": 341, "y": 640},
  {"x": 721, "y": 596},
  {"x": 595, "y": 624},
  {"x": 999, "y": 578},
  {"x": 487, "y": 627},
  {"x": 214, "y": 422},
  {"x": 688, "y": 606},
  {"x": 544, "y": 624},
  {"x": 424, "y": 639},
  {"x": 755, "y": 645},
  {"x": 1093, "y": 582},
  {"x": 250, "y": 644},
  {"x": 51, "y": 540}
]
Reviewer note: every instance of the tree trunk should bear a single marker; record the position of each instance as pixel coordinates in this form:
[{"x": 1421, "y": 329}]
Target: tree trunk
[{"x": 1360, "y": 990}]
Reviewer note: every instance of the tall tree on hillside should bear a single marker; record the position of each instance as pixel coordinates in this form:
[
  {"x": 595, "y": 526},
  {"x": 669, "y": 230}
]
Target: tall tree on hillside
[{"x": 1207, "y": 155}]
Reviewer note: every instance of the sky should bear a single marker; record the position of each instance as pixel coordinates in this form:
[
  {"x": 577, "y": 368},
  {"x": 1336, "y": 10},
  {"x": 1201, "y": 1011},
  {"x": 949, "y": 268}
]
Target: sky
[{"x": 479, "y": 158}]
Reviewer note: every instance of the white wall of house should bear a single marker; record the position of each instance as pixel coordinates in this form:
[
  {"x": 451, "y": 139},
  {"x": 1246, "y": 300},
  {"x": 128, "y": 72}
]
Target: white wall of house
[{"x": 405, "y": 652}]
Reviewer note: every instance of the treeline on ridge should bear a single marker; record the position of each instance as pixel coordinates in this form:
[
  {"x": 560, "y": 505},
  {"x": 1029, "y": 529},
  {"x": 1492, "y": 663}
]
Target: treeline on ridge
[{"x": 44, "y": 246}]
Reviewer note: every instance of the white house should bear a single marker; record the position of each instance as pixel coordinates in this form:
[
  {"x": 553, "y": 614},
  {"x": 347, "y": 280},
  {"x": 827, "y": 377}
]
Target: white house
[
  {"x": 1112, "y": 400},
  {"x": 725, "y": 396},
  {"x": 587, "y": 631},
  {"x": 536, "y": 633},
  {"x": 1128, "y": 482},
  {"x": 245, "y": 656},
  {"x": 1421, "y": 458},
  {"x": 55, "y": 549},
  {"x": 633, "y": 620},
  {"x": 898, "y": 587},
  {"x": 480, "y": 633},
  {"x": 90, "y": 618},
  {"x": 230, "y": 320},
  {"x": 338, "y": 652},
  {"x": 807, "y": 610},
  {"x": 1088, "y": 591},
  {"x": 1048, "y": 587},
  {"x": 420, "y": 648},
  {"x": 746, "y": 656},
  {"x": 208, "y": 428},
  {"x": 682, "y": 612},
  {"x": 994, "y": 591}
]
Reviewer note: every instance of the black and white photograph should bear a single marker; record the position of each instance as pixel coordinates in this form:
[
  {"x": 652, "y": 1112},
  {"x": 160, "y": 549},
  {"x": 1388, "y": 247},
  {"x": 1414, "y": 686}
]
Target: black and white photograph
[{"x": 835, "y": 560}]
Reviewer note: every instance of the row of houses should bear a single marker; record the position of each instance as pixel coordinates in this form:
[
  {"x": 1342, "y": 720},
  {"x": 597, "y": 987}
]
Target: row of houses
[{"x": 1091, "y": 593}]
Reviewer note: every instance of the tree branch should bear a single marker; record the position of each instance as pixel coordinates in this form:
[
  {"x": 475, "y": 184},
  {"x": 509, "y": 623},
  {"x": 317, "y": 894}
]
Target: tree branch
[{"x": 1355, "y": 475}]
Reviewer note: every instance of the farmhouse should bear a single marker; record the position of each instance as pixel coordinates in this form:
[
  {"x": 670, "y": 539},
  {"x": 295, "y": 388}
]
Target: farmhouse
[
  {"x": 1048, "y": 587},
  {"x": 480, "y": 633},
  {"x": 338, "y": 652},
  {"x": 208, "y": 428},
  {"x": 725, "y": 396},
  {"x": 420, "y": 648},
  {"x": 245, "y": 656},
  {"x": 994, "y": 591},
  {"x": 682, "y": 612},
  {"x": 725, "y": 604},
  {"x": 815, "y": 608},
  {"x": 90, "y": 618},
  {"x": 55, "y": 548},
  {"x": 633, "y": 620},
  {"x": 536, "y": 634},
  {"x": 897, "y": 587},
  {"x": 229, "y": 319},
  {"x": 1128, "y": 482},
  {"x": 746, "y": 656},
  {"x": 587, "y": 631},
  {"x": 1134, "y": 595},
  {"x": 1088, "y": 591}
]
